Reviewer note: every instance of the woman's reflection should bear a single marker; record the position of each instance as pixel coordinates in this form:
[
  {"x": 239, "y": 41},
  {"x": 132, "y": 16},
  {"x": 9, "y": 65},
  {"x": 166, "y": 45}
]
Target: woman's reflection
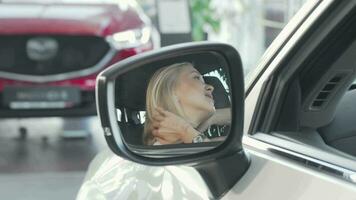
[{"x": 180, "y": 106}]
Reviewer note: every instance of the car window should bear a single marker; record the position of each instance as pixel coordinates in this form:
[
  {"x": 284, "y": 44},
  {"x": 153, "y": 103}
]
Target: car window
[
  {"x": 251, "y": 26},
  {"x": 316, "y": 112}
]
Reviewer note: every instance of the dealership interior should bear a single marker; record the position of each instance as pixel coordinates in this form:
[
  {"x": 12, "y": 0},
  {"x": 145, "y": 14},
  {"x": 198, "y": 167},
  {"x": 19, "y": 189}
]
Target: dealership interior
[
  {"x": 51, "y": 52},
  {"x": 49, "y": 158}
]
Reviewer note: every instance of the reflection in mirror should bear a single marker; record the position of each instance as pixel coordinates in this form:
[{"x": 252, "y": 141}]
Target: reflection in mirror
[{"x": 181, "y": 100}]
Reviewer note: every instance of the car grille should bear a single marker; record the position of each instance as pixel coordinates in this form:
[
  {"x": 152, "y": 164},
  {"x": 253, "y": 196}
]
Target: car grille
[{"x": 50, "y": 55}]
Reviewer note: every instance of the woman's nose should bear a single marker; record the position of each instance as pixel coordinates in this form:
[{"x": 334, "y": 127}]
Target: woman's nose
[{"x": 209, "y": 87}]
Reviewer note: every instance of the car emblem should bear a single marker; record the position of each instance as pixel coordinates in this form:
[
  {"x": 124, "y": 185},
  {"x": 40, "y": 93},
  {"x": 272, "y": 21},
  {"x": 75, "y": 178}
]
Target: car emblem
[{"x": 41, "y": 48}]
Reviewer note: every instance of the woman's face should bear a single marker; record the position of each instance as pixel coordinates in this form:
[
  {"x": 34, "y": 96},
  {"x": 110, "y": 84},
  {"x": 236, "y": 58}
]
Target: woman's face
[{"x": 193, "y": 94}]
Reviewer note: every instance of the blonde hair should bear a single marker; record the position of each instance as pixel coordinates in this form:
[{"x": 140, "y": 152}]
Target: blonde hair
[{"x": 160, "y": 93}]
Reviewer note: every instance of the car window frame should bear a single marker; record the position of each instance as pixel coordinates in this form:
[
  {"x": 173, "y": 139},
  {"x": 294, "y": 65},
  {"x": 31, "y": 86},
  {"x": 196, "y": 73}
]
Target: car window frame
[{"x": 339, "y": 166}]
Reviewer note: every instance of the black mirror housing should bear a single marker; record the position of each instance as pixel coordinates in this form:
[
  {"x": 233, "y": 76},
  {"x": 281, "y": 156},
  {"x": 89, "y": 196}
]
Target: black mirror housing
[{"x": 159, "y": 156}]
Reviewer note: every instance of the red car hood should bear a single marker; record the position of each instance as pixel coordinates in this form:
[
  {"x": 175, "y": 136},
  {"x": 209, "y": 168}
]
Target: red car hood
[{"x": 69, "y": 19}]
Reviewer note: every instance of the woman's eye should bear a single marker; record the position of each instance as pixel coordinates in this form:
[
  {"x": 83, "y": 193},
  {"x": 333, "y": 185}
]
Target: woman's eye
[{"x": 197, "y": 77}]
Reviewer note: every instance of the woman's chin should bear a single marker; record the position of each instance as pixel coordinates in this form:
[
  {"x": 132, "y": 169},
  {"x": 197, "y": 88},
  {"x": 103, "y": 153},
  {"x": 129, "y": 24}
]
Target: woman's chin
[
  {"x": 209, "y": 110},
  {"x": 212, "y": 110}
]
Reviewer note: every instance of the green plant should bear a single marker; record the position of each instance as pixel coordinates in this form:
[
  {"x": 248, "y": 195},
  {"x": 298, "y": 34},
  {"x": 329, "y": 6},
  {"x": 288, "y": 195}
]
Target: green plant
[{"x": 202, "y": 16}]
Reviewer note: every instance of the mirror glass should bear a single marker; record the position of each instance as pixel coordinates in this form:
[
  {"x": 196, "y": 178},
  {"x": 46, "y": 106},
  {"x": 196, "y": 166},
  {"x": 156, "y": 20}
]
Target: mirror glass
[{"x": 178, "y": 101}]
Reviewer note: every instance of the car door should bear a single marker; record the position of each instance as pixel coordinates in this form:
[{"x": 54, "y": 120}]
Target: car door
[
  {"x": 286, "y": 172},
  {"x": 275, "y": 171}
]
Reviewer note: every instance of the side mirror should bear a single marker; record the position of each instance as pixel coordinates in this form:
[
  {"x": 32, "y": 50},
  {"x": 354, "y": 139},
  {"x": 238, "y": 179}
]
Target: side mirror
[{"x": 180, "y": 104}]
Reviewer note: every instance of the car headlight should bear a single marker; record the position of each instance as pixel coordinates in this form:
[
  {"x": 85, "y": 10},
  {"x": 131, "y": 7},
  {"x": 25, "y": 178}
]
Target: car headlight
[{"x": 130, "y": 38}]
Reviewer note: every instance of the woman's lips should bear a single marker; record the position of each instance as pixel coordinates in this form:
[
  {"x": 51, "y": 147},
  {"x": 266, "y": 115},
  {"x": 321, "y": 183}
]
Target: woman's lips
[{"x": 210, "y": 96}]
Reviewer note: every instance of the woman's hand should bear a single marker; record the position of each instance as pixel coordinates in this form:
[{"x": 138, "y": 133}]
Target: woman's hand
[{"x": 169, "y": 128}]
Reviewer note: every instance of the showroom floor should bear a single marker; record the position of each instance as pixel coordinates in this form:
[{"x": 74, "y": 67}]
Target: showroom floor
[{"x": 49, "y": 160}]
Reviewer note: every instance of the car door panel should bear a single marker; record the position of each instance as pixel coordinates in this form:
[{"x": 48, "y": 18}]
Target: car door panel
[
  {"x": 270, "y": 176},
  {"x": 273, "y": 176}
]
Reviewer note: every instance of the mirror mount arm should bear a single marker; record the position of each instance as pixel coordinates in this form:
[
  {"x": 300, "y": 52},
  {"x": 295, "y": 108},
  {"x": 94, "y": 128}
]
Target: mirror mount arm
[{"x": 223, "y": 173}]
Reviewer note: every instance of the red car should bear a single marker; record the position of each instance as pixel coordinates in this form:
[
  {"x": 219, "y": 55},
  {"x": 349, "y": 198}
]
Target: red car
[{"x": 52, "y": 51}]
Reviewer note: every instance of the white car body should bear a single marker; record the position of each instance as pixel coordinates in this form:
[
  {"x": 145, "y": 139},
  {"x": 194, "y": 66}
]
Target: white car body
[{"x": 270, "y": 175}]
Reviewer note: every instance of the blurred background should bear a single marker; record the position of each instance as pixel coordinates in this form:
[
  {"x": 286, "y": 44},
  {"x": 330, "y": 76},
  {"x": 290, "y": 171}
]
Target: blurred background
[{"x": 52, "y": 50}]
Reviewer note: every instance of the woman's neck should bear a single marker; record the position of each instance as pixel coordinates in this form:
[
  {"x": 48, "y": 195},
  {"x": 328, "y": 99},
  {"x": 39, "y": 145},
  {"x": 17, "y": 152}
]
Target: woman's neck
[{"x": 195, "y": 118}]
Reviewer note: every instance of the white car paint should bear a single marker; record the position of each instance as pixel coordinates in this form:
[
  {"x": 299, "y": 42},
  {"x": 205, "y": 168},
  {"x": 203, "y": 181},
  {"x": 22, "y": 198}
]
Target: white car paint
[
  {"x": 269, "y": 177},
  {"x": 274, "y": 177},
  {"x": 111, "y": 177}
]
